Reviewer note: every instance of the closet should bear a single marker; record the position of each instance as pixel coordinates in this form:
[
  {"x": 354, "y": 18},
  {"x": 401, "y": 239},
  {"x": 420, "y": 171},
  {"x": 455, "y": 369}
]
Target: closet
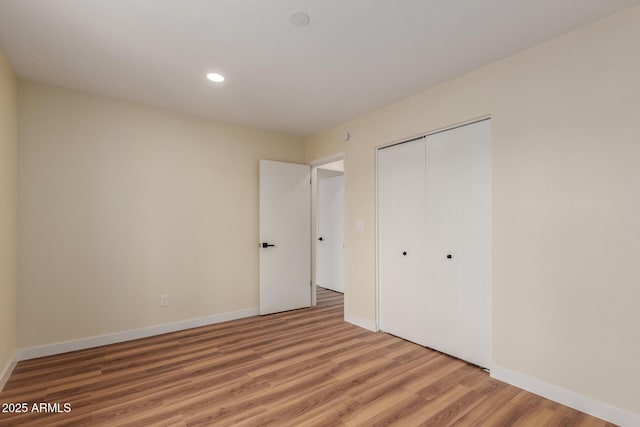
[{"x": 434, "y": 241}]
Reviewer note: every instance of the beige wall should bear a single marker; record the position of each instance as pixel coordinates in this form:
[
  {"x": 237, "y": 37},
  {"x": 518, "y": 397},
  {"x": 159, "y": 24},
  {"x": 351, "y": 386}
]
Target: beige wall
[
  {"x": 566, "y": 191},
  {"x": 8, "y": 211},
  {"x": 120, "y": 203}
]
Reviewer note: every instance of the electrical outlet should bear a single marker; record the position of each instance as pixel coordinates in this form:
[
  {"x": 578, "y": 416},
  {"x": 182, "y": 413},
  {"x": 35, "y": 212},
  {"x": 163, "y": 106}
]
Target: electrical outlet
[{"x": 164, "y": 300}]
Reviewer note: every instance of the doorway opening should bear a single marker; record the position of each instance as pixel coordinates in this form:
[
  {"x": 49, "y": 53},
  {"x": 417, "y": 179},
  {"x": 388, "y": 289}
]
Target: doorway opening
[{"x": 328, "y": 219}]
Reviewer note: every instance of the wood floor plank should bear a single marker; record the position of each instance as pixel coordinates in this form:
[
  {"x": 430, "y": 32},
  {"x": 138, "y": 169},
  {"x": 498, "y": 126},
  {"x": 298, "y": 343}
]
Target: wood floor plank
[
  {"x": 455, "y": 409},
  {"x": 375, "y": 407},
  {"x": 498, "y": 394},
  {"x": 302, "y": 368}
]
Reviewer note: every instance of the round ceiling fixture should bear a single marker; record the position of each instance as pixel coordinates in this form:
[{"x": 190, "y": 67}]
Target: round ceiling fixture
[
  {"x": 299, "y": 19},
  {"x": 215, "y": 77}
]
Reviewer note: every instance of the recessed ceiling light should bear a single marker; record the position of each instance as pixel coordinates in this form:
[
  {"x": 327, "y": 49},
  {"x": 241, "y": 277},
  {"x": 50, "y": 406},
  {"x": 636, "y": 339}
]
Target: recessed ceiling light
[
  {"x": 215, "y": 77},
  {"x": 299, "y": 19}
]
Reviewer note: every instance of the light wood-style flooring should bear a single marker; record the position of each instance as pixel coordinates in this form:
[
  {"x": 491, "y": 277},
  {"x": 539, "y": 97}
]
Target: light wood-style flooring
[{"x": 301, "y": 368}]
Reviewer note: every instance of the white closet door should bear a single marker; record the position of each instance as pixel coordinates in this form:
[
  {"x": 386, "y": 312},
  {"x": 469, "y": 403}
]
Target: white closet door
[
  {"x": 440, "y": 289},
  {"x": 473, "y": 257},
  {"x": 434, "y": 203},
  {"x": 401, "y": 198},
  {"x": 458, "y": 224}
]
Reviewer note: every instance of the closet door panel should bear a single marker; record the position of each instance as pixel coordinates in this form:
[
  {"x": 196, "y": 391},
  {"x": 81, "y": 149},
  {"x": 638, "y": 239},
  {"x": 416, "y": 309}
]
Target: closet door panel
[
  {"x": 474, "y": 248},
  {"x": 441, "y": 205},
  {"x": 401, "y": 197}
]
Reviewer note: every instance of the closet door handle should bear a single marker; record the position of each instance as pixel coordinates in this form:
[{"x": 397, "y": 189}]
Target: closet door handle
[
  {"x": 320, "y": 238},
  {"x": 404, "y": 253},
  {"x": 449, "y": 256}
]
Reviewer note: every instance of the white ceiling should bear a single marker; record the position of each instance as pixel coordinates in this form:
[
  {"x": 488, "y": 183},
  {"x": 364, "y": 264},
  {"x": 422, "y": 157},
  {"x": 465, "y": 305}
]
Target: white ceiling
[{"x": 354, "y": 57}]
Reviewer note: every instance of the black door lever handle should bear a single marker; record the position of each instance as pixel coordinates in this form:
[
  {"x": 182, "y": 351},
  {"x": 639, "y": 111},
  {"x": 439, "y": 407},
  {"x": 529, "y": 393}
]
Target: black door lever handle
[
  {"x": 320, "y": 238},
  {"x": 266, "y": 245}
]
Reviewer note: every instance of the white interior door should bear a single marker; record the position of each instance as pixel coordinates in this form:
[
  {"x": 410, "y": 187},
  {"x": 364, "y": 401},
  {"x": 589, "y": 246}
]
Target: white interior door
[
  {"x": 285, "y": 236},
  {"x": 330, "y": 243},
  {"x": 401, "y": 205},
  {"x": 473, "y": 257},
  {"x": 440, "y": 288},
  {"x": 435, "y": 241},
  {"x": 458, "y": 256}
]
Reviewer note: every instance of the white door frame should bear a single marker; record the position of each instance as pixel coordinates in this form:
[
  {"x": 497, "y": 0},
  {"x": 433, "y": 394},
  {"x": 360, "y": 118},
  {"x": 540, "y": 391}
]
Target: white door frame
[{"x": 314, "y": 213}]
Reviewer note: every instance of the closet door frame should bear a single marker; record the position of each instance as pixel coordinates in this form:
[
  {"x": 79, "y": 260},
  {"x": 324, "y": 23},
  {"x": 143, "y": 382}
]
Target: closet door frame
[{"x": 377, "y": 225}]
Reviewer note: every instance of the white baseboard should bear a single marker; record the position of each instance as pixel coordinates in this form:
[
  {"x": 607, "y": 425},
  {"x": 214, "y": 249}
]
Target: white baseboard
[
  {"x": 83, "y": 343},
  {"x": 585, "y": 404},
  {"x": 359, "y": 321},
  {"x": 5, "y": 373}
]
